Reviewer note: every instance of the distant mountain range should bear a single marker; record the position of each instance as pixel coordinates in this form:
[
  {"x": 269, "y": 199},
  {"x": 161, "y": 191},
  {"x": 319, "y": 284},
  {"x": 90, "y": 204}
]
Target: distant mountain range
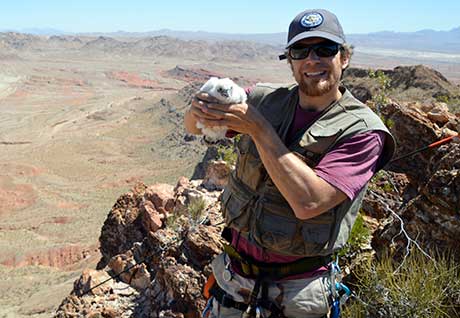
[
  {"x": 38, "y": 31},
  {"x": 424, "y": 40}
]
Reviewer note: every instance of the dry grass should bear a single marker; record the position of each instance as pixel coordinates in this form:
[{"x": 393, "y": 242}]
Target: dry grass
[{"x": 420, "y": 288}]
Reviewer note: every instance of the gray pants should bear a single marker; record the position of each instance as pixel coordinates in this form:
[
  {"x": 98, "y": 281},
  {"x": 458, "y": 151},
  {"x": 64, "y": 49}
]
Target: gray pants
[{"x": 306, "y": 298}]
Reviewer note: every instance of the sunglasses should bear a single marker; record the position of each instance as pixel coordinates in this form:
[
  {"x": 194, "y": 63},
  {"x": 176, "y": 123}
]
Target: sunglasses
[{"x": 323, "y": 49}]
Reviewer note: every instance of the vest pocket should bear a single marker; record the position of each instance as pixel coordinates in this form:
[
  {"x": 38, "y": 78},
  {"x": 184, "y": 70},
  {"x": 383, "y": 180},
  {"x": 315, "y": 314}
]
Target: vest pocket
[
  {"x": 249, "y": 166},
  {"x": 315, "y": 237},
  {"x": 274, "y": 231},
  {"x": 283, "y": 233},
  {"x": 234, "y": 209}
]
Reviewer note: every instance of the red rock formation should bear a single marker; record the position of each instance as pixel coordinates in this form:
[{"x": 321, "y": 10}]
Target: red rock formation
[
  {"x": 173, "y": 253},
  {"x": 133, "y": 80},
  {"x": 59, "y": 257},
  {"x": 15, "y": 196}
]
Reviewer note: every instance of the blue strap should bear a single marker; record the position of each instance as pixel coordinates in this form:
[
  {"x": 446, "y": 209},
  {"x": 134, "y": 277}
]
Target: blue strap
[
  {"x": 207, "y": 309},
  {"x": 335, "y": 310}
]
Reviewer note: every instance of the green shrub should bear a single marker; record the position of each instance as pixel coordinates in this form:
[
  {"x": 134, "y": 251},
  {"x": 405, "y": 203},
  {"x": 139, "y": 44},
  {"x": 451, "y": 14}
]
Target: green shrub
[
  {"x": 379, "y": 180},
  {"x": 443, "y": 99},
  {"x": 228, "y": 153},
  {"x": 453, "y": 102},
  {"x": 193, "y": 213},
  {"x": 196, "y": 209},
  {"x": 417, "y": 287},
  {"x": 384, "y": 85},
  {"x": 360, "y": 237},
  {"x": 172, "y": 221}
]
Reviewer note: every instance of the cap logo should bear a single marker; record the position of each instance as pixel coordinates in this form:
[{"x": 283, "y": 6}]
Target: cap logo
[{"x": 311, "y": 20}]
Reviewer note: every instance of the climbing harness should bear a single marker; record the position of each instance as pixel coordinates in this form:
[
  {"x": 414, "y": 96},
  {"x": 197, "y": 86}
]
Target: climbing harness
[
  {"x": 253, "y": 309},
  {"x": 253, "y": 269},
  {"x": 255, "y": 305},
  {"x": 207, "y": 308},
  {"x": 264, "y": 274}
]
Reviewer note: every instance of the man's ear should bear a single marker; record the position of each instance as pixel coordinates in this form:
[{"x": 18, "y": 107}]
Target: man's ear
[{"x": 345, "y": 59}]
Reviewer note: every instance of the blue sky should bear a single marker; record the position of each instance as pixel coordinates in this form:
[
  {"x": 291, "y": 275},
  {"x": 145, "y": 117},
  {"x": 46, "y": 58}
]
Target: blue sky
[{"x": 229, "y": 16}]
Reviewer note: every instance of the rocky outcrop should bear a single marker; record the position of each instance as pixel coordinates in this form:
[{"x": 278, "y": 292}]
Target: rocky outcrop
[
  {"x": 157, "y": 244},
  {"x": 413, "y": 128},
  {"x": 424, "y": 189},
  {"x": 406, "y": 83},
  {"x": 433, "y": 215},
  {"x": 123, "y": 225},
  {"x": 420, "y": 76}
]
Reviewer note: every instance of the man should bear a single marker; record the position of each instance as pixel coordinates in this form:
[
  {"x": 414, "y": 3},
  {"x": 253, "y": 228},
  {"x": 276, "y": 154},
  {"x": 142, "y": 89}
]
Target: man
[{"x": 306, "y": 154}]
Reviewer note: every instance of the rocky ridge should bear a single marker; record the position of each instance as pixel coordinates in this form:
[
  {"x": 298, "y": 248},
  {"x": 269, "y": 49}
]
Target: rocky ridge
[
  {"x": 406, "y": 83},
  {"x": 152, "y": 226},
  {"x": 157, "y": 46}
]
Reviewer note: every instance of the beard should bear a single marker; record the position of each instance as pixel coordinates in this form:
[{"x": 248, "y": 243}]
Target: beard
[{"x": 316, "y": 87}]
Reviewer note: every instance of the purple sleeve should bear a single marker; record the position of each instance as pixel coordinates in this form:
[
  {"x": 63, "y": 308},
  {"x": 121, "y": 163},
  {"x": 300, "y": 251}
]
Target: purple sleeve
[
  {"x": 248, "y": 90},
  {"x": 352, "y": 163}
]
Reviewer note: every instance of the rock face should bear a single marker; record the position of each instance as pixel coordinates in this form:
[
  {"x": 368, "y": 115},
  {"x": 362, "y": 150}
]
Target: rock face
[
  {"x": 157, "y": 250},
  {"x": 413, "y": 130},
  {"x": 424, "y": 189},
  {"x": 434, "y": 214},
  {"x": 158, "y": 241},
  {"x": 123, "y": 226}
]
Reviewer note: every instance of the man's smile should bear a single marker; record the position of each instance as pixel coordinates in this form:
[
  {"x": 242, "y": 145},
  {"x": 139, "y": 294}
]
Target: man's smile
[{"x": 315, "y": 74}]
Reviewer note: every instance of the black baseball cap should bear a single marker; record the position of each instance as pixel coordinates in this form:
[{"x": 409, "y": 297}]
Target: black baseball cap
[{"x": 315, "y": 23}]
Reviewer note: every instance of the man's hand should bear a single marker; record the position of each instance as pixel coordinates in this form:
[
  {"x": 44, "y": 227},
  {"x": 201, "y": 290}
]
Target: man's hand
[
  {"x": 199, "y": 103},
  {"x": 242, "y": 118},
  {"x": 195, "y": 112}
]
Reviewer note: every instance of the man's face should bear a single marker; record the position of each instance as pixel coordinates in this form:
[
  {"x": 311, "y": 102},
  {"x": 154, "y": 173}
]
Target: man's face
[{"x": 315, "y": 75}]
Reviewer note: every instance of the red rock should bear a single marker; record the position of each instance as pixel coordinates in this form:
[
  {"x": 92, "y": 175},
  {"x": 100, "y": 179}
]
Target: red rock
[
  {"x": 162, "y": 197},
  {"x": 89, "y": 279},
  {"x": 151, "y": 218},
  {"x": 183, "y": 183},
  {"x": 217, "y": 173}
]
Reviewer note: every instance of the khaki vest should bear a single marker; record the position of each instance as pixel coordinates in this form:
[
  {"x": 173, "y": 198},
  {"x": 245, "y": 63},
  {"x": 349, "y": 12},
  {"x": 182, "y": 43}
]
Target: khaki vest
[{"x": 253, "y": 205}]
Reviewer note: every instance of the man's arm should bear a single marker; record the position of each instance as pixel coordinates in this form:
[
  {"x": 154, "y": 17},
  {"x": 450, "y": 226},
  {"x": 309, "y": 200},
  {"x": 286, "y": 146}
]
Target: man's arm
[{"x": 307, "y": 194}]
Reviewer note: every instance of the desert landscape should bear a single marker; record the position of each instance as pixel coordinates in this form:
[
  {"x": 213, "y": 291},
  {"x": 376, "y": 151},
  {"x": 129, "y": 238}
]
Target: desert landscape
[
  {"x": 83, "y": 119},
  {"x": 81, "y": 124}
]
